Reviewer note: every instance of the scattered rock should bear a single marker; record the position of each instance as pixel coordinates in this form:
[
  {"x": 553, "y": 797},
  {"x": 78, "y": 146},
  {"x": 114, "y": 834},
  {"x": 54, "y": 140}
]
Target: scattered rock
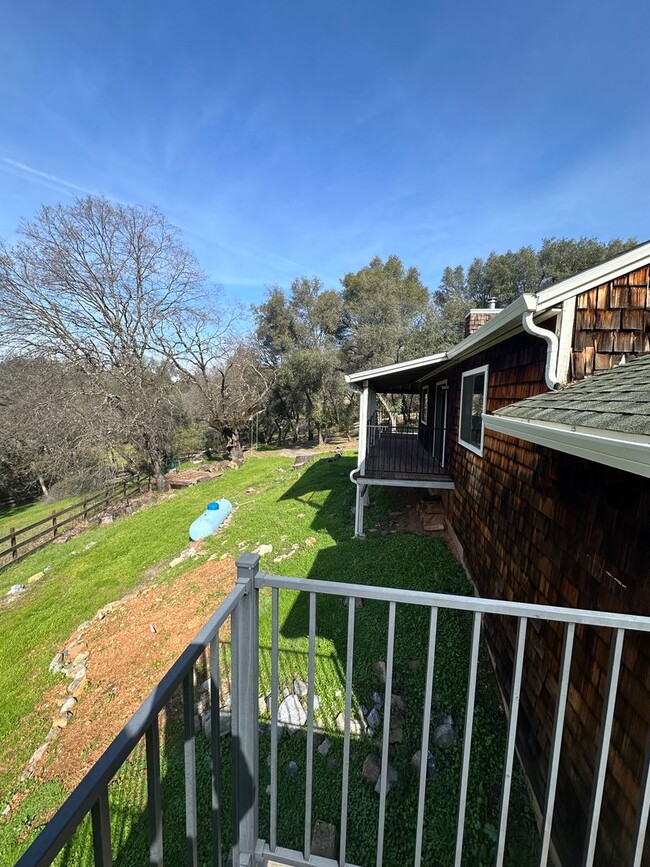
[
  {"x": 16, "y": 589},
  {"x": 6, "y": 810},
  {"x": 291, "y": 713},
  {"x": 371, "y": 770},
  {"x": 323, "y": 840},
  {"x": 251, "y": 490},
  {"x": 89, "y": 546},
  {"x": 300, "y": 687},
  {"x": 100, "y": 615},
  {"x": 300, "y": 515},
  {"x": 61, "y": 721},
  {"x": 225, "y": 723},
  {"x": 68, "y": 704},
  {"x": 379, "y": 670},
  {"x": 36, "y": 577},
  {"x": 444, "y": 736},
  {"x": 373, "y": 719},
  {"x": 292, "y": 769},
  {"x": 38, "y": 754},
  {"x": 310, "y": 541},
  {"x": 78, "y": 684},
  {"x": 397, "y": 703},
  {"x": 107, "y": 519},
  {"x": 324, "y": 746},
  {"x": 152, "y": 628},
  {"x": 392, "y": 779},
  {"x": 431, "y": 764},
  {"x": 378, "y": 700},
  {"x": 357, "y": 727},
  {"x": 262, "y": 550},
  {"x": 262, "y": 705},
  {"x": 57, "y": 663}
]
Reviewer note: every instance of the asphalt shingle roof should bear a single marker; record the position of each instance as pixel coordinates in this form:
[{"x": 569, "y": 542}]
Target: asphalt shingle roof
[{"x": 615, "y": 400}]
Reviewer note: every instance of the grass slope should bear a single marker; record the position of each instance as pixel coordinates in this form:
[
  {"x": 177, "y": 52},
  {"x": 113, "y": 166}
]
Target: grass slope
[
  {"x": 287, "y": 508},
  {"x": 23, "y": 516}
]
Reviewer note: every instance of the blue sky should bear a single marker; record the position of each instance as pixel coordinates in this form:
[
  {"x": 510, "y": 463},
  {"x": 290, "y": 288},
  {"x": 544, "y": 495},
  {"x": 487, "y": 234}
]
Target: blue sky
[{"x": 289, "y": 138}]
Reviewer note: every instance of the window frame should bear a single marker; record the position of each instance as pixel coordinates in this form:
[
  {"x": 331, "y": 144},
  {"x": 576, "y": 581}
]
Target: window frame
[
  {"x": 475, "y": 371},
  {"x": 441, "y": 391},
  {"x": 424, "y": 400}
]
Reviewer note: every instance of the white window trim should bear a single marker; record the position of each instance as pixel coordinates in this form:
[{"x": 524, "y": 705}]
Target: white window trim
[
  {"x": 425, "y": 389},
  {"x": 473, "y": 372},
  {"x": 443, "y": 387}
]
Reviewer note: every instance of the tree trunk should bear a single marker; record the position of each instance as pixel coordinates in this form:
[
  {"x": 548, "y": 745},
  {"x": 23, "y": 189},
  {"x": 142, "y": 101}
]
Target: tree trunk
[
  {"x": 41, "y": 482},
  {"x": 320, "y": 435},
  {"x": 233, "y": 445}
]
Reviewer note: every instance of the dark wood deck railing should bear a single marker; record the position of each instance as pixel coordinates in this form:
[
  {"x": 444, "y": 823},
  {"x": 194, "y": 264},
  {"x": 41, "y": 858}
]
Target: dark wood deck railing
[{"x": 47, "y": 529}]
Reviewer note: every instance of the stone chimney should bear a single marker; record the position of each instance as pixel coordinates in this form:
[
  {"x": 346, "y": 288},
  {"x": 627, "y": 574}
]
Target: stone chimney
[{"x": 478, "y": 317}]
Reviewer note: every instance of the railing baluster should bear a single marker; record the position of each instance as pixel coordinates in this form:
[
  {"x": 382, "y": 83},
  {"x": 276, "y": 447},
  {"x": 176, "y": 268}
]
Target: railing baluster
[
  {"x": 215, "y": 743},
  {"x": 467, "y": 740},
  {"x": 388, "y": 692},
  {"x": 558, "y": 727},
  {"x": 101, "y": 822},
  {"x": 346, "y": 736},
  {"x": 310, "y": 724},
  {"x": 426, "y": 723},
  {"x": 643, "y": 810},
  {"x": 190, "y": 770},
  {"x": 512, "y": 737},
  {"x": 274, "y": 718},
  {"x": 153, "y": 794},
  {"x": 616, "y": 650}
]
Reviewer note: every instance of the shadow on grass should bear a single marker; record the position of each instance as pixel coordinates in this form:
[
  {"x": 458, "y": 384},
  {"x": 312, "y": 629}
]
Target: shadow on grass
[{"x": 411, "y": 562}]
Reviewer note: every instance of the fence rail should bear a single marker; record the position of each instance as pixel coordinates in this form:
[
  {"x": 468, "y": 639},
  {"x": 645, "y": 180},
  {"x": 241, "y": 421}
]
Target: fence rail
[
  {"x": 248, "y": 849},
  {"x": 53, "y": 523}
]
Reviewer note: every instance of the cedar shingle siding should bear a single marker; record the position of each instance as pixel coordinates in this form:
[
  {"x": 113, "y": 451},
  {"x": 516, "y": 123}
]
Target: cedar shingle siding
[
  {"x": 544, "y": 527},
  {"x": 611, "y": 321}
]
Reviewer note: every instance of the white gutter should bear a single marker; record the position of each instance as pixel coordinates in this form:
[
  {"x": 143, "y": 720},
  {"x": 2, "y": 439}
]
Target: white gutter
[
  {"x": 623, "y": 451},
  {"x": 550, "y": 373}
]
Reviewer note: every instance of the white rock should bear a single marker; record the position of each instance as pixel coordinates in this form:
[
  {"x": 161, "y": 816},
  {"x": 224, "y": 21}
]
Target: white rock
[
  {"x": 291, "y": 713},
  {"x": 264, "y": 549}
]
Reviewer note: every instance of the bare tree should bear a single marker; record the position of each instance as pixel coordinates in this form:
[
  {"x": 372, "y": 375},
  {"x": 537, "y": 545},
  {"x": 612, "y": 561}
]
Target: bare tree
[
  {"x": 225, "y": 373},
  {"x": 103, "y": 287}
]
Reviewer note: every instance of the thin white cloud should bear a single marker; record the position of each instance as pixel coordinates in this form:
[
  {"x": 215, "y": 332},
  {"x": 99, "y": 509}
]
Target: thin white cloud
[{"x": 43, "y": 177}]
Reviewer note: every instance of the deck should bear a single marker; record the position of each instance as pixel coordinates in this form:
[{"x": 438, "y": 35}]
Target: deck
[{"x": 402, "y": 457}]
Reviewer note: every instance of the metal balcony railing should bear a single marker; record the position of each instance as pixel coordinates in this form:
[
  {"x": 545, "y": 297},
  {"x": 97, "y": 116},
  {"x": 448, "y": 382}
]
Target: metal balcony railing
[
  {"x": 403, "y": 451},
  {"x": 241, "y": 607}
]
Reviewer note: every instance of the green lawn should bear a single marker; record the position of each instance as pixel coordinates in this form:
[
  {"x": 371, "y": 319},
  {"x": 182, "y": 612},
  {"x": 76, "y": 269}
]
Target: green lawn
[
  {"x": 23, "y": 516},
  {"x": 286, "y": 509}
]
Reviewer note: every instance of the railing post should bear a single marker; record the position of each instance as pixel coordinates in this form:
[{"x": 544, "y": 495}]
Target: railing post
[
  {"x": 12, "y": 543},
  {"x": 244, "y": 741}
]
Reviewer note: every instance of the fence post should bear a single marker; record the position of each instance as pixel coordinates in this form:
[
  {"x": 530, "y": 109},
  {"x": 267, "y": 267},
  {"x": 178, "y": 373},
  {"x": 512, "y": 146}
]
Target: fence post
[
  {"x": 12, "y": 542},
  {"x": 54, "y": 525},
  {"x": 85, "y": 510},
  {"x": 244, "y": 690}
]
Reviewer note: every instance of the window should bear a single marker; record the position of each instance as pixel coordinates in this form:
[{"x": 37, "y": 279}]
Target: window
[
  {"x": 440, "y": 422},
  {"x": 473, "y": 395},
  {"x": 424, "y": 405}
]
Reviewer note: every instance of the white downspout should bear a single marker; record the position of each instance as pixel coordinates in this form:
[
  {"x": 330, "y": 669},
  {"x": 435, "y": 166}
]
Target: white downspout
[{"x": 550, "y": 374}]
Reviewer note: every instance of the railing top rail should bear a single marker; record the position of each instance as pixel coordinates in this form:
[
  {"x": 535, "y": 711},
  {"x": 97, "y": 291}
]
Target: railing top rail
[
  {"x": 64, "y": 823},
  {"x": 531, "y": 611}
]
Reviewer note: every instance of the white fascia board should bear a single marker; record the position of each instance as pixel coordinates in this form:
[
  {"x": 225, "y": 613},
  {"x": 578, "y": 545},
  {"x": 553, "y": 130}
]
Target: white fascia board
[
  {"x": 599, "y": 274},
  {"x": 400, "y": 367},
  {"x": 627, "y": 452}
]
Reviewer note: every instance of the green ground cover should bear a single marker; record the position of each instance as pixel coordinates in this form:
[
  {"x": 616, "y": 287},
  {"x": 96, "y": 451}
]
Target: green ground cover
[
  {"x": 23, "y": 516},
  {"x": 285, "y": 509}
]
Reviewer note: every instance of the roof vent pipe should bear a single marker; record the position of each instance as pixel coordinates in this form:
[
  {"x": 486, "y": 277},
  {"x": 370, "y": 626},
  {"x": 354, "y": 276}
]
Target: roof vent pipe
[
  {"x": 550, "y": 373},
  {"x": 492, "y": 303}
]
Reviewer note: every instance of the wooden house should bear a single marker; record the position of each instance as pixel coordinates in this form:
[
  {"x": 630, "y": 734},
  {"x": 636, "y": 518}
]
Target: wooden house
[{"x": 535, "y": 432}]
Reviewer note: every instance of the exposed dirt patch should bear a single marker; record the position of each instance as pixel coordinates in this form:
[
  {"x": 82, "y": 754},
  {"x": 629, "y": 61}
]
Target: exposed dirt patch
[{"x": 129, "y": 651}]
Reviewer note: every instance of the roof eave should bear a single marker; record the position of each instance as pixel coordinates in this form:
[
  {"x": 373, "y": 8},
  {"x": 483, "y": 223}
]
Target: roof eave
[{"x": 628, "y": 452}]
